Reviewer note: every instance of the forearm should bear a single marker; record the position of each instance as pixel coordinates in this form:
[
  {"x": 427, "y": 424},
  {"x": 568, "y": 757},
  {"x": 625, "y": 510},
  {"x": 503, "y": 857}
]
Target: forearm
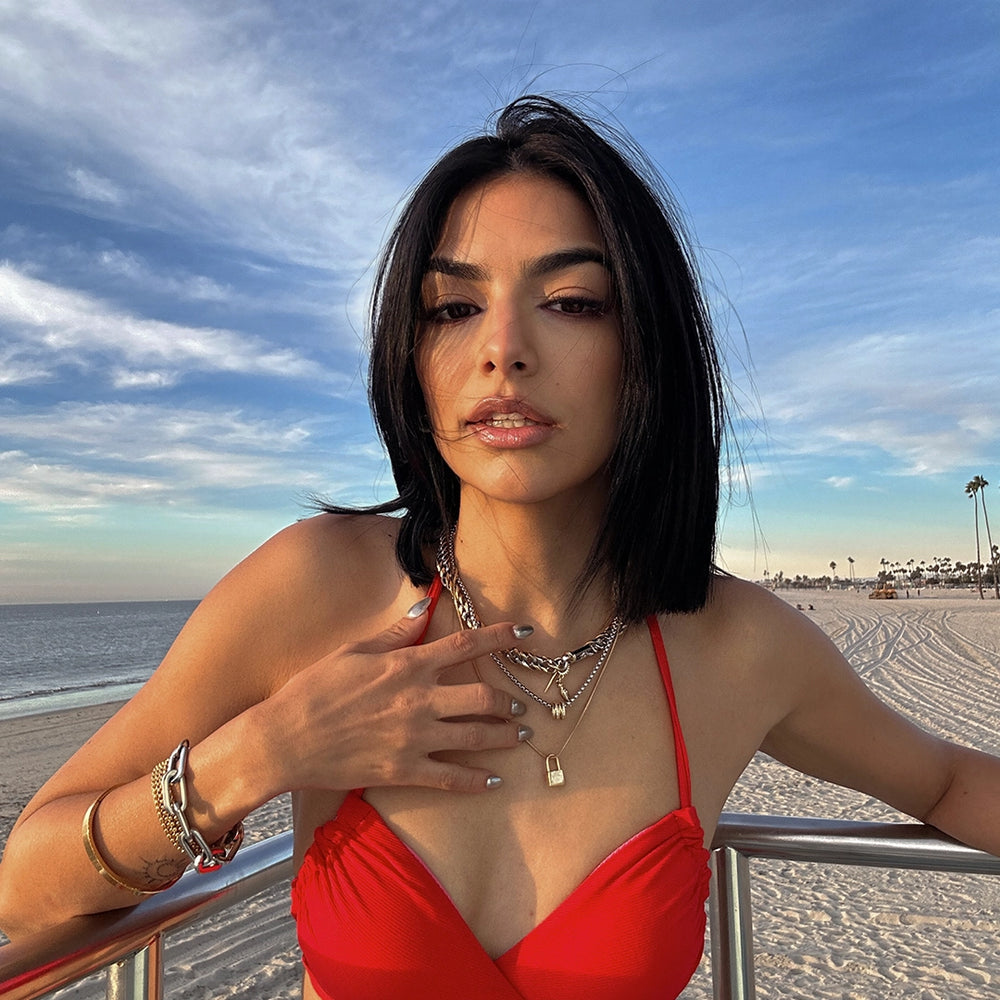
[
  {"x": 46, "y": 875},
  {"x": 969, "y": 810}
]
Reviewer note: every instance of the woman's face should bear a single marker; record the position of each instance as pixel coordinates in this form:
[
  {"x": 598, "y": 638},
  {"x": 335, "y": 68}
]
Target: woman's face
[{"x": 519, "y": 351}]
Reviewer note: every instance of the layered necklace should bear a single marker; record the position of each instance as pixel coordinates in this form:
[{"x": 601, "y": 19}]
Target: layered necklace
[{"x": 557, "y": 667}]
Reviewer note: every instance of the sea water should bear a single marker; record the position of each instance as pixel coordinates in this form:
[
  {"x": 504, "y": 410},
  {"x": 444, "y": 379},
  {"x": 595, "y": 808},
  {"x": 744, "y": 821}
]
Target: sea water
[{"x": 55, "y": 656}]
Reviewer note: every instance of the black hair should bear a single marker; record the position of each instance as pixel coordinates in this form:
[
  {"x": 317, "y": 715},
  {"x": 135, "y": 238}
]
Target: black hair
[{"x": 656, "y": 543}]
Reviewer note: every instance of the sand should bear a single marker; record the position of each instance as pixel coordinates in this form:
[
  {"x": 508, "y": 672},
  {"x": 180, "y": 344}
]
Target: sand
[{"x": 820, "y": 931}]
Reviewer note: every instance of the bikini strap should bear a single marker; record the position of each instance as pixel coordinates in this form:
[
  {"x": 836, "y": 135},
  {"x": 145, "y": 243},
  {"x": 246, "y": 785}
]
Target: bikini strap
[
  {"x": 434, "y": 593},
  {"x": 680, "y": 750}
]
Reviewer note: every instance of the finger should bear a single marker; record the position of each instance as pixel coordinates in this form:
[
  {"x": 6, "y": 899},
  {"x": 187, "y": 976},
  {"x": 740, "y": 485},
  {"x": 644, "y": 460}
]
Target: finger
[
  {"x": 475, "y": 737},
  {"x": 455, "y": 700},
  {"x": 455, "y": 777},
  {"x": 465, "y": 645},
  {"x": 403, "y": 632}
]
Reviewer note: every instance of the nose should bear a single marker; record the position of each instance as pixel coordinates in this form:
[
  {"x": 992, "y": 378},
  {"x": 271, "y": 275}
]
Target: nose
[{"x": 508, "y": 344}]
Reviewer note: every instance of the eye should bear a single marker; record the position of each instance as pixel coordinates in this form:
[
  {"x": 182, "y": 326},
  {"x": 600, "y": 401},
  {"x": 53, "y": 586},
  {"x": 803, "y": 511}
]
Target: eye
[
  {"x": 577, "y": 305},
  {"x": 450, "y": 312}
]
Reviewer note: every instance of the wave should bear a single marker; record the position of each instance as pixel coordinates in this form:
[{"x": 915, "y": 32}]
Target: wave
[
  {"x": 38, "y": 703},
  {"x": 68, "y": 689}
]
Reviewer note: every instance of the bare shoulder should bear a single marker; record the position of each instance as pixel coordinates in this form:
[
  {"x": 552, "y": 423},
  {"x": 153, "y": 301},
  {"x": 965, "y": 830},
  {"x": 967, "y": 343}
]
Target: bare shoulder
[
  {"x": 328, "y": 551},
  {"x": 744, "y": 618},
  {"x": 296, "y": 597},
  {"x": 756, "y": 646}
]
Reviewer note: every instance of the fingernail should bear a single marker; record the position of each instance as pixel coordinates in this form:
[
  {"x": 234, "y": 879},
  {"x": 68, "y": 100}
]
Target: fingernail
[
  {"x": 419, "y": 608},
  {"x": 524, "y": 733},
  {"x": 493, "y": 782},
  {"x": 517, "y": 707},
  {"x": 523, "y": 631}
]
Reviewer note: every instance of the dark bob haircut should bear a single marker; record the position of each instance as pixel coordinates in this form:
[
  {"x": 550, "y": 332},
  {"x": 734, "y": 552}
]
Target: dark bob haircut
[{"x": 656, "y": 543}]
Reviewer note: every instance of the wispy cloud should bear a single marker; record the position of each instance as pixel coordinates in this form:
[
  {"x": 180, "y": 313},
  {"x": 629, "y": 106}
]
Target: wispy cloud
[
  {"x": 81, "y": 456},
  {"x": 185, "y": 118},
  {"x": 923, "y": 398},
  {"x": 57, "y": 326},
  {"x": 91, "y": 187},
  {"x": 60, "y": 487}
]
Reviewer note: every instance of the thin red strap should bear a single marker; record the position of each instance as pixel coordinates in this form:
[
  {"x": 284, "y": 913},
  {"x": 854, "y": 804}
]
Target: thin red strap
[
  {"x": 680, "y": 750},
  {"x": 434, "y": 593}
]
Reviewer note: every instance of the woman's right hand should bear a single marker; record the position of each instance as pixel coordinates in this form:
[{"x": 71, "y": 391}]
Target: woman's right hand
[{"x": 375, "y": 712}]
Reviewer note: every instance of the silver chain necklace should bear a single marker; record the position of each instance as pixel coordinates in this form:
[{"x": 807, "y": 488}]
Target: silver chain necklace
[{"x": 556, "y": 667}]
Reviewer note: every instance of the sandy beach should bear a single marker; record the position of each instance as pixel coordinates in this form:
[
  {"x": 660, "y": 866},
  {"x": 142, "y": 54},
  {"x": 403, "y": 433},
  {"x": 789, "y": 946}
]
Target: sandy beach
[{"x": 820, "y": 931}]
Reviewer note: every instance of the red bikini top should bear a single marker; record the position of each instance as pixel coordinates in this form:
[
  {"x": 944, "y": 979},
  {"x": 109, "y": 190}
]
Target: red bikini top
[{"x": 374, "y": 923}]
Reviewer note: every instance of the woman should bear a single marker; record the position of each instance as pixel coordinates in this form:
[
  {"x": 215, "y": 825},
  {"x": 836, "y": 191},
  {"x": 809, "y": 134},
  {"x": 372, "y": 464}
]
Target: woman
[{"x": 545, "y": 383}]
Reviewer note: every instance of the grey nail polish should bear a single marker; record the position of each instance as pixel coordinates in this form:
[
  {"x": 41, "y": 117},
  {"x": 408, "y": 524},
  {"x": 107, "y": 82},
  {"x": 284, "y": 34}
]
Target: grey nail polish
[
  {"x": 523, "y": 631},
  {"x": 419, "y": 608},
  {"x": 494, "y": 782},
  {"x": 517, "y": 707},
  {"x": 524, "y": 733}
]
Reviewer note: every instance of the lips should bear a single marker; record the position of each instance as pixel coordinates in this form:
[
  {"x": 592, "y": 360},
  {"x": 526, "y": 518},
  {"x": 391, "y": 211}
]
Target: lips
[
  {"x": 510, "y": 420},
  {"x": 508, "y": 423},
  {"x": 507, "y": 412}
]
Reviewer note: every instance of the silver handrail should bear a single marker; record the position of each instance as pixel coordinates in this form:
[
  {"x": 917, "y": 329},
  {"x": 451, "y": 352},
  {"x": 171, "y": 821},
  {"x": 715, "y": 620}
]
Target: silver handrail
[
  {"x": 842, "y": 842},
  {"x": 128, "y": 942}
]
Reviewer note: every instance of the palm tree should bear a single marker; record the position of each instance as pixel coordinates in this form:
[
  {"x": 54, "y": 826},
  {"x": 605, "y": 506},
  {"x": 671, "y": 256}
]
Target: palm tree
[
  {"x": 833, "y": 569},
  {"x": 981, "y": 485},
  {"x": 972, "y": 489},
  {"x": 850, "y": 567}
]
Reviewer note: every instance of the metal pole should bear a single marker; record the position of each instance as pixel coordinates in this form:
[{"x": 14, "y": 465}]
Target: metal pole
[
  {"x": 138, "y": 976},
  {"x": 732, "y": 926}
]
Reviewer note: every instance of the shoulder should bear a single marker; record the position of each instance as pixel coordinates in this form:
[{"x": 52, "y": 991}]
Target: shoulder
[
  {"x": 303, "y": 592},
  {"x": 331, "y": 553},
  {"x": 743, "y": 613},
  {"x": 750, "y": 641}
]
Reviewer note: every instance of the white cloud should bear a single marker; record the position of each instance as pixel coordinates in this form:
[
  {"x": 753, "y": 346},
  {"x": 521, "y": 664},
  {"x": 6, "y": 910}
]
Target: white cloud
[
  {"x": 923, "y": 396},
  {"x": 62, "y": 326},
  {"x": 59, "y": 487},
  {"x": 122, "y": 378},
  {"x": 195, "y": 122},
  {"x": 91, "y": 187},
  {"x": 173, "y": 281},
  {"x": 136, "y": 433},
  {"x": 83, "y": 456}
]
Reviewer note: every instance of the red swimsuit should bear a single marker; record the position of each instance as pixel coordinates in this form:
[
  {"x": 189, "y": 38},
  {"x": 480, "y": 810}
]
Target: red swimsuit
[{"x": 374, "y": 923}]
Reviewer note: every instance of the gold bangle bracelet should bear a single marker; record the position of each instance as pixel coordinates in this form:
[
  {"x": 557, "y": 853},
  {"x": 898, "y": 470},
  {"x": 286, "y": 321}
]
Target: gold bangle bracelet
[{"x": 97, "y": 859}]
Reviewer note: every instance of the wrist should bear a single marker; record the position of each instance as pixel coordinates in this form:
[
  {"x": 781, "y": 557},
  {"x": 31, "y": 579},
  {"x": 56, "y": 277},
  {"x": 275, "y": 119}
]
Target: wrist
[{"x": 260, "y": 734}]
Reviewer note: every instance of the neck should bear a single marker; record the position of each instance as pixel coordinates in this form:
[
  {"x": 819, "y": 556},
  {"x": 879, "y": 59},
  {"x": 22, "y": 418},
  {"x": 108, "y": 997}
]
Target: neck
[{"x": 523, "y": 562}]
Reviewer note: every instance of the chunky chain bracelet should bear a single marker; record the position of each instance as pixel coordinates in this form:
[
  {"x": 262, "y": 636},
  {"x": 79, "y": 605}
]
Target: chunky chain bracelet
[{"x": 171, "y": 805}]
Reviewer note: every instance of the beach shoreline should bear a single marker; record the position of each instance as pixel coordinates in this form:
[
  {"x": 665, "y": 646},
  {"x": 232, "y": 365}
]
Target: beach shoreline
[{"x": 824, "y": 932}]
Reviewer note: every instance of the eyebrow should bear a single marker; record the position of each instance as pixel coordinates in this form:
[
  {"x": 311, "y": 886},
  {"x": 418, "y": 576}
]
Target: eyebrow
[{"x": 558, "y": 260}]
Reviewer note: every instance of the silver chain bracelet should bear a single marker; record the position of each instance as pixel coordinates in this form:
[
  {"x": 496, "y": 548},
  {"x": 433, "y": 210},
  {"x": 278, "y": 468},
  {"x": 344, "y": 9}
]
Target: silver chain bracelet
[{"x": 174, "y": 801}]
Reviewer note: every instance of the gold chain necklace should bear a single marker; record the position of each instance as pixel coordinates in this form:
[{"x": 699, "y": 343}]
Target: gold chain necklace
[
  {"x": 556, "y": 667},
  {"x": 555, "y": 774},
  {"x": 603, "y": 644}
]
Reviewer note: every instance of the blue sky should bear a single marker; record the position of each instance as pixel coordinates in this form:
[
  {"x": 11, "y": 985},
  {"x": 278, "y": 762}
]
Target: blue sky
[{"x": 192, "y": 195}]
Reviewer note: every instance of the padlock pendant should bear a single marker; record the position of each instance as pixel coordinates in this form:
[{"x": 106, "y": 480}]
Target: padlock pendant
[{"x": 553, "y": 771}]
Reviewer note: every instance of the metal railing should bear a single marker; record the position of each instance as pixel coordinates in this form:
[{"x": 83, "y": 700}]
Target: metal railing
[
  {"x": 129, "y": 943},
  {"x": 842, "y": 842}
]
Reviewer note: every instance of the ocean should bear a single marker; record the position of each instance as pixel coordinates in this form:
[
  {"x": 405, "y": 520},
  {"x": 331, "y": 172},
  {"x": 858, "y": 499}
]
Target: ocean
[{"x": 55, "y": 656}]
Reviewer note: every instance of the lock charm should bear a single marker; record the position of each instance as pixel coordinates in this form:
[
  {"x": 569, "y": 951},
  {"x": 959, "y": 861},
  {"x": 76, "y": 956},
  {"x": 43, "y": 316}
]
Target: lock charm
[{"x": 553, "y": 771}]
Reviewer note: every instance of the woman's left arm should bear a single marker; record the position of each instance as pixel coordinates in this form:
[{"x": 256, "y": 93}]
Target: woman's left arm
[{"x": 833, "y": 727}]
